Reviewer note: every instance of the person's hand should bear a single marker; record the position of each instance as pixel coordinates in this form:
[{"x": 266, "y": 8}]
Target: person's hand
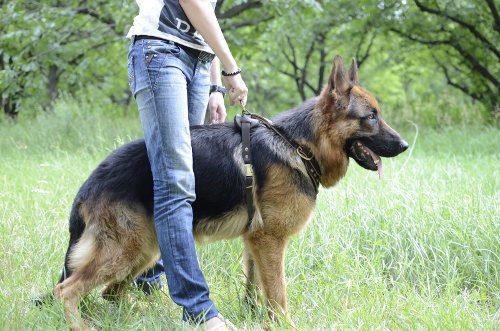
[
  {"x": 237, "y": 89},
  {"x": 217, "y": 108}
]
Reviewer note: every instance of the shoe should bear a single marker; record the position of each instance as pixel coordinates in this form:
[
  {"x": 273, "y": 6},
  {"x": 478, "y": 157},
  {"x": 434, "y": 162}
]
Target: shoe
[{"x": 218, "y": 323}]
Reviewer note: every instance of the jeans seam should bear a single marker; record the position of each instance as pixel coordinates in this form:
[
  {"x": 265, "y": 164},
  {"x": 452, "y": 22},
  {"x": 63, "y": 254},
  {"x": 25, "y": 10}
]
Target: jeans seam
[
  {"x": 163, "y": 165},
  {"x": 152, "y": 84},
  {"x": 159, "y": 72}
]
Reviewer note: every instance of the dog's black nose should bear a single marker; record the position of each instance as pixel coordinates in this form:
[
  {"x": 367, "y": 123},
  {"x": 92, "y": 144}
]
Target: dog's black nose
[{"x": 403, "y": 145}]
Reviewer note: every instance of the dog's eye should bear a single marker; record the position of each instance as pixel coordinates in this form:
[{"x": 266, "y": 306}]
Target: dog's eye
[{"x": 372, "y": 116}]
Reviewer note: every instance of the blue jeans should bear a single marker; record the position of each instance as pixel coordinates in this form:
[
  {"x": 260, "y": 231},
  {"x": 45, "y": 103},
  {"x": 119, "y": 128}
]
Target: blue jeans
[{"x": 171, "y": 88}]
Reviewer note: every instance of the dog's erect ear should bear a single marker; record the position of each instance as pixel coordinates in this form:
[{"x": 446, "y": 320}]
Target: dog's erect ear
[
  {"x": 338, "y": 78},
  {"x": 353, "y": 72}
]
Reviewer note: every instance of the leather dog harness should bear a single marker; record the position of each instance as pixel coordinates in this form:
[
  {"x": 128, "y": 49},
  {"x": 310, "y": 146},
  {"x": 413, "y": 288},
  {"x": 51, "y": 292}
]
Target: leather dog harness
[{"x": 245, "y": 122}]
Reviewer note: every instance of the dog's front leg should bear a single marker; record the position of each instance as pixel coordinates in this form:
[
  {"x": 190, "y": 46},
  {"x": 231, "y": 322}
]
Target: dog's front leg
[{"x": 268, "y": 252}]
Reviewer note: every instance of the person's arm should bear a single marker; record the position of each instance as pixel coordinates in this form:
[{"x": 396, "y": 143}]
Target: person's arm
[
  {"x": 202, "y": 16},
  {"x": 215, "y": 72},
  {"x": 216, "y": 100}
]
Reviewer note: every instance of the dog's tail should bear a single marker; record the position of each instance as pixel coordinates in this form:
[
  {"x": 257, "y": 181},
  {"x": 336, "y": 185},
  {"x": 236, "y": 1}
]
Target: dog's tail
[{"x": 76, "y": 228}]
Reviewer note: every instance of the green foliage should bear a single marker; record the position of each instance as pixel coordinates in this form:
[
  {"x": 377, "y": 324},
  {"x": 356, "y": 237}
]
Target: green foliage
[
  {"x": 461, "y": 39},
  {"x": 404, "y": 98},
  {"x": 47, "y": 47},
  {"x": 51, "y": 48},
  {"x": 291, "y": 59}
]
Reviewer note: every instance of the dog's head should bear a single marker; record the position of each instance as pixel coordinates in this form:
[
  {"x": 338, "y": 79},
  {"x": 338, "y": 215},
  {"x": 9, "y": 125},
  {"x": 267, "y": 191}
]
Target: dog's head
[{"x": 354, "y": 119}]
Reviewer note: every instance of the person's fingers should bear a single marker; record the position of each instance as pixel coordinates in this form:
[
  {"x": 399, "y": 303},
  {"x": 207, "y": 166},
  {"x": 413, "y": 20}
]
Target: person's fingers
[
  {"x": 213, "y": 118},
  {"x": 222, "y": 117},
  {"x": 243, "y": 99},
  {"x": 233, "y": 96},
  {"x": 238, "y": 95},
  {"x": 217, "y": 108},
  {"x": 221, "y": 113},
  {"x": 244, "y": 94},
  {"x": 213, "y": 112},
  {"x": 237, "y": 89}
]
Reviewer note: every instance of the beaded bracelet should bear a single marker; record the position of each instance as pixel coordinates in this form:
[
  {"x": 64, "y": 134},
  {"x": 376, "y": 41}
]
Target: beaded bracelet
[{"x": 226, "y": 74}]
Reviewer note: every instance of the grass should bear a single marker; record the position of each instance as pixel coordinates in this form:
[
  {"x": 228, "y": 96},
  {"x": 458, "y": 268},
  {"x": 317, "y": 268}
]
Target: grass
[{"x": 418, "y": 250}]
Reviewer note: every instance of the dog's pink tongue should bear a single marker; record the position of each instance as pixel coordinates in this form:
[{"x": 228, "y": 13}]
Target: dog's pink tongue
[{"x": 380, "y": 169}]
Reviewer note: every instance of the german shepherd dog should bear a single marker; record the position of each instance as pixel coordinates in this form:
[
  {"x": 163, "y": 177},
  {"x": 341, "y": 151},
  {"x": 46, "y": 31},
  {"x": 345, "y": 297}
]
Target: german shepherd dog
[{"x": 112, "y": 233}]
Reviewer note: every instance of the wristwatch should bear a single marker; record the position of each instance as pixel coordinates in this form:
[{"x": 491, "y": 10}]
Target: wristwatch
[{"x": 218, "y": 88}]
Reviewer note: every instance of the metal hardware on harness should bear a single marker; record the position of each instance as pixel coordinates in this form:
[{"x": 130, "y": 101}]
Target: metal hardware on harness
[
  {"x": 248, "y": 170},
  {"x": 244, "y": 110},
  {"x": 302, "y": 154}
]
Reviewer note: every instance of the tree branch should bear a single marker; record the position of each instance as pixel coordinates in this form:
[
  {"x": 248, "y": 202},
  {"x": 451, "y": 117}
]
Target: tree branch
[
  {"x": 322, "y": 64},
  {"x": 239, "y": 9},
  {"x": 450, "y": 82},
  {"x": 475, "y": 63},
  {"x": 362, "y": 58},
  {"x": 218, "y": 7},
  {"x": 418, "y": 40},
  {"x": 104, "y": 20},
  {"x": 494, "y": 13},
  {"x": 286, "y": 73},
  {"x": 303, "y": 71},
  {"x": 76, "y": 60},
  {"x": 461, "y": 22},
  {"x": 240, "y": 24},
  {"x": 293, "y": 59}
]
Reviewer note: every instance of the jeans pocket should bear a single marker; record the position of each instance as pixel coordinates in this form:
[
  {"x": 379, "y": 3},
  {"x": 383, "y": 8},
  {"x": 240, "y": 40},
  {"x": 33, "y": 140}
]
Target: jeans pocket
[
  {"x": 131, "y": 74},
  {"x": 157, "y": 50}
]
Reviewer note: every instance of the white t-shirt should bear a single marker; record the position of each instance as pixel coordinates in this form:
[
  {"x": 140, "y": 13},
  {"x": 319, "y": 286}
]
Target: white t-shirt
[{"x": 166, "y": 19}]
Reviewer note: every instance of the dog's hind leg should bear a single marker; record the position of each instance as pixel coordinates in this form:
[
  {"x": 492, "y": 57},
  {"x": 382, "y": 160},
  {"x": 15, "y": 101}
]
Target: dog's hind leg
[
  {"x": 268, "y": 252},
  {"x": 113, "y": 291},
  {"x": 76, "y": 228},
  {"x": 84, "y": 262},
  {"x": 101, "y": 269},
  {"x": 71, "y": 290},
  {"x": 93, "y": 262},
  {"x": 251, "y": 296}
]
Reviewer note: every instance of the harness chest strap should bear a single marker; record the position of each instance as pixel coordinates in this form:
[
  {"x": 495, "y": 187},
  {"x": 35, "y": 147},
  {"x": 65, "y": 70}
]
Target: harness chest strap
[{"x": 246, "y": 124}]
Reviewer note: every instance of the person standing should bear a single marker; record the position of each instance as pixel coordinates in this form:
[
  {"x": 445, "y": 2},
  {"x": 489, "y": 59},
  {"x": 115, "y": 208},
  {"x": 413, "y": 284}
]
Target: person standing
[{"x": 177, "y": 48}]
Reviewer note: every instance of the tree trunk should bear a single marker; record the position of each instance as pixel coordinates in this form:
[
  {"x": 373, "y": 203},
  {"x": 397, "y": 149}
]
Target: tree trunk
[{"x": 52, "y": 82}]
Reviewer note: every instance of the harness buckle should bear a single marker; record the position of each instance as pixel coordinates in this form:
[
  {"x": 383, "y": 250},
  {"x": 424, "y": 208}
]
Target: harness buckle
[
  {"x": 248, "y": 170},
  {"x": 303, "y": 155}
]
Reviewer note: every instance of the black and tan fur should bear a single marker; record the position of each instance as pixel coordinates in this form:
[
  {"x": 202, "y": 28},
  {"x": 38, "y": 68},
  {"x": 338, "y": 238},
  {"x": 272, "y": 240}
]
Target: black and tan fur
[{"x": 112, "y": 234}]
